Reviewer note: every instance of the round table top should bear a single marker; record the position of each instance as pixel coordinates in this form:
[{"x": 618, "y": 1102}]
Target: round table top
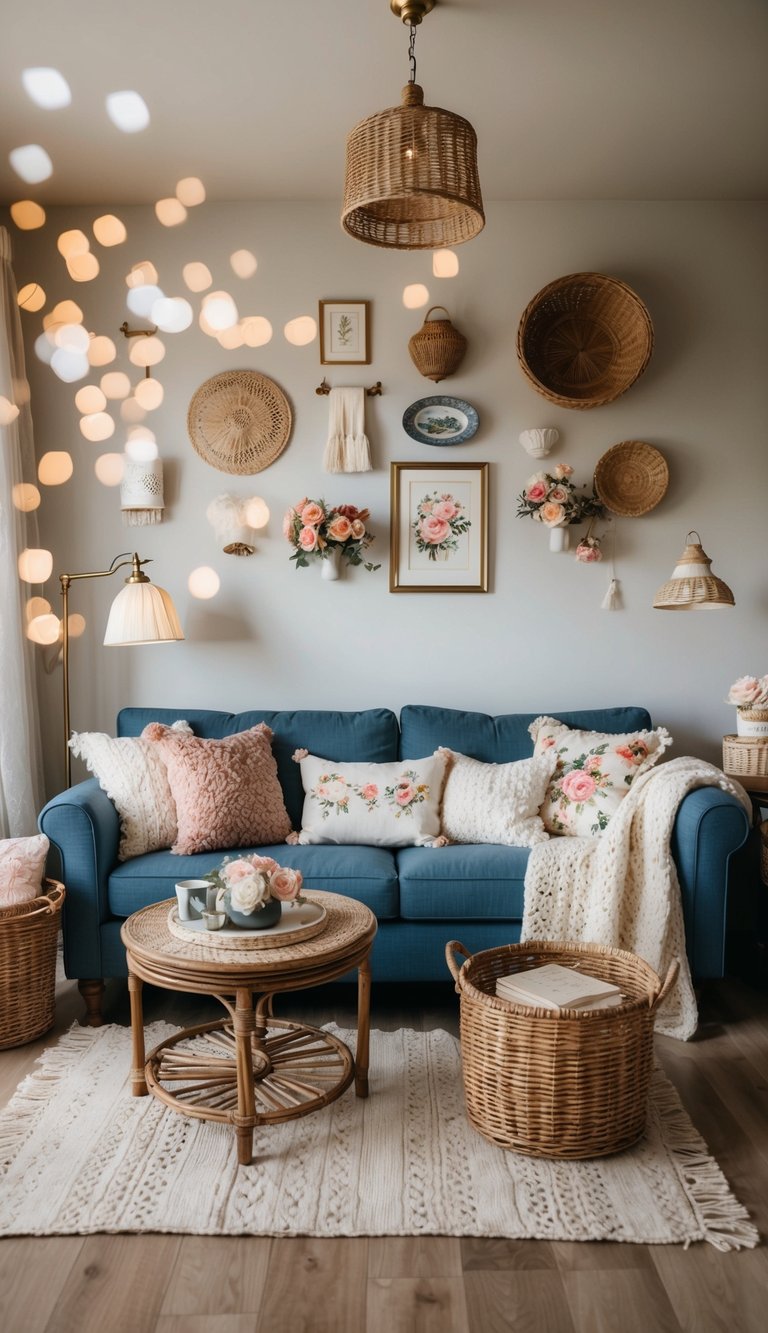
[{"x": 155, "y": 952}]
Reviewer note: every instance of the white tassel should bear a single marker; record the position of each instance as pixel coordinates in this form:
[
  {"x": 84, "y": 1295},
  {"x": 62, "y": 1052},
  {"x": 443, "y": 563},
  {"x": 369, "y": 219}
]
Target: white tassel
[
  {"x": 333, "y": 458},
  {"x": 612, "y": 599}
]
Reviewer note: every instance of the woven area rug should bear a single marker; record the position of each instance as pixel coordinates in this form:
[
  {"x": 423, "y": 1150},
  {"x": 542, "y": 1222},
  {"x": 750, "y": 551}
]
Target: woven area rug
[{"x": 78, "y": 1154}]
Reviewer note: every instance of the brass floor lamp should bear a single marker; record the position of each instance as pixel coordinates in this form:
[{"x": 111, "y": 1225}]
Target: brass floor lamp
[{"x": 141, "y": 613}]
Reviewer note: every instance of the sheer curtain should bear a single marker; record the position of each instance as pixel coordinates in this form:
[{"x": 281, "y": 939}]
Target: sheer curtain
[{"x": 21, "y": 784}]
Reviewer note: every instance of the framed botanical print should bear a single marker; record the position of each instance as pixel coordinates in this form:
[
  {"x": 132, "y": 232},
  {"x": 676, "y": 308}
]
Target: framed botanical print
[
  {"x": 345, "y": 333},
  {"x": 439, "y": 527}
]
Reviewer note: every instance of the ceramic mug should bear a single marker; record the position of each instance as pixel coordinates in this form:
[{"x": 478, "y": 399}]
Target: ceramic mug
[{"x": 191, "y": 896}]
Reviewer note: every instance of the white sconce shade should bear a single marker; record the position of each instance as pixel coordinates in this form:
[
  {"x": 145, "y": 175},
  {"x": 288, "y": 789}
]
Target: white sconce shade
[
  {"x": 693, "y": 586},
  {"x": 141, "y": 492},
  {"x": 539, "y": 441},
  {"x": 142, "y": 613}
]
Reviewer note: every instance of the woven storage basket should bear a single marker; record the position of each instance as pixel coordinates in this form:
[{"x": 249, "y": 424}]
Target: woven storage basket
[
  {"x": 438, "y": 348},
  {"x": 584, "y": 339},
  {"x": 746, "y": 759},
  {"x": 631, "y": 478},
  {"x": 566, "y": 1083},
  {"x": 28, "y": 934}
]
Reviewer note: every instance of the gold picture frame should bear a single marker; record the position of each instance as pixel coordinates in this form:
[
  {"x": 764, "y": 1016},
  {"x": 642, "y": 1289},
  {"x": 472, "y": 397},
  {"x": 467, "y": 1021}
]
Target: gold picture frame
[
  {"x": 438, "y": 527},
  {"x": 345, "y": 333}
]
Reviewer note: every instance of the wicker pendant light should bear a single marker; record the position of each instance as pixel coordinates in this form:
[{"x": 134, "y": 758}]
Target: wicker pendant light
[
  {"x": 411, "y": 178},
  {"x": 693, "y": 586}
]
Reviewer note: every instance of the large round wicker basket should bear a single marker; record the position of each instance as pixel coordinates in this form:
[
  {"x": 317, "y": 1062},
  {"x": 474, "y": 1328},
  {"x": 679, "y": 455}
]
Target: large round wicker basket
[
  {"x": 584, "y": 339},
  {"x": 438, "y": 348},
  {"x": 557, "y": 1083},
  {"x": 28, "y": 934}
]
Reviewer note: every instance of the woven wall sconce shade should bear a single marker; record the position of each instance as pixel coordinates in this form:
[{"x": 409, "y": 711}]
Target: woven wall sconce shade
[{"x": 693, "y": 586}]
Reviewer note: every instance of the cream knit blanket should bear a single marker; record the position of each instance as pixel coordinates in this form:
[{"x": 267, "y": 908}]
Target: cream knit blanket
[{"x": 621, "y": 889}]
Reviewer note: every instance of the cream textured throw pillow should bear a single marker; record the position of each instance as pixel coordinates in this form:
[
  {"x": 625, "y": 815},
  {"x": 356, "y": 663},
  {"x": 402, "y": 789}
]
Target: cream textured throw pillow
[
  {"x": 496, "y": 803},
  {"x": 593, "y": 774},
  {"x": 374, "y": 805},
  {"x": 22, "y": 866},
  {"x": 131, "y": 770}
]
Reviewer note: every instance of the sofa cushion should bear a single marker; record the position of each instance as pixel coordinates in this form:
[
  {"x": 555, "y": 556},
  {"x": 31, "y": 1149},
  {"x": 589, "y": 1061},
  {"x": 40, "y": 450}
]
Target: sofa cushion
[
  {"x": 496, "y": 803},
  {"x": 377, "y": 805},
  {"x": 495, "y": 740},
  {"x": 371, "y": 734},
  {"x": 462, "y": 883},
  {"x": 368, "y": 874}
]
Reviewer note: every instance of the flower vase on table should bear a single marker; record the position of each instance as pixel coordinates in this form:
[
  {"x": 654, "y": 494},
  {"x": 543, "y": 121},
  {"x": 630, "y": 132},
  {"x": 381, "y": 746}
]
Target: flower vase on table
[{"x": 251, "y": 890}]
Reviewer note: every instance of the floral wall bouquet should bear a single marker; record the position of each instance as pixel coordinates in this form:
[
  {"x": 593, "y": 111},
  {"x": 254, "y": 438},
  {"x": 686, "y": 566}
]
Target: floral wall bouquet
[
  {"x": 551, "y": 498},
  {"x": 749, "y": 692},
  {"x": 248, "y": 883},
  {"x": 439, "y": 523},
  {"x": 315, "y": 530}
]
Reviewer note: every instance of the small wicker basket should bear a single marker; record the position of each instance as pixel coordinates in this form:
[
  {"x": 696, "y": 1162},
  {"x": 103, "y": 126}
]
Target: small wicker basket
[
  {"x": 437, "y": 350},
  {"x": 557, "y": 1083},
  {"x": 28, "y": 934},
  {"x": 746, "y": 759}
]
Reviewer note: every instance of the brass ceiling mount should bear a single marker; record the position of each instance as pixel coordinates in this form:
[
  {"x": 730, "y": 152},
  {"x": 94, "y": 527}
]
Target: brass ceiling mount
[{"x": 411, "y": 11}]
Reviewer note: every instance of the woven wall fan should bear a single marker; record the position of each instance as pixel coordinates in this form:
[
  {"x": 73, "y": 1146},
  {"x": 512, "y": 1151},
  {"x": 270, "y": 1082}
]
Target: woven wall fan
[{"x": 239, "y": 421}]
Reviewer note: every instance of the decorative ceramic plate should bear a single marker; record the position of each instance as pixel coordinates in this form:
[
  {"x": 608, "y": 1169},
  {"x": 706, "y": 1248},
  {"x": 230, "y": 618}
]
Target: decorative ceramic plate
[
  {"x": 440, "y": 421},
  {"x": 296, "y": 924}
]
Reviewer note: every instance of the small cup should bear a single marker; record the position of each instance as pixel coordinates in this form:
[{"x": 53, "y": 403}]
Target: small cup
[
  {"x": 213, "y": 920},
  {"x": 191, "y": 895}
]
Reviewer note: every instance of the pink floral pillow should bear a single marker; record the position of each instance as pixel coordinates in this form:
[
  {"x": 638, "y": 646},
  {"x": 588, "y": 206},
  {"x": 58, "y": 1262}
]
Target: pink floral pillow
[
  {"x": 22, "y": 866},
  {"x": 227, "y": 792},
  {"x": 594, "y": 771}
]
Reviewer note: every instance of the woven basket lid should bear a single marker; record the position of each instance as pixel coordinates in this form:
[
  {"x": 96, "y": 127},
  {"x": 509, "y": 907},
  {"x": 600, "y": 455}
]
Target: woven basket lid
[
  {"x": 239, "y": 422},
  {"x": 631, "y": 478}
]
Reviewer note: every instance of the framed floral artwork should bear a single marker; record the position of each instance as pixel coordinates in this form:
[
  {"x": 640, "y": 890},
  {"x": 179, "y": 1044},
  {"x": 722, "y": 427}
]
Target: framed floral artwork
[
  {"x": 439, "y": 527},
  {"x": 345, "y": 333}
]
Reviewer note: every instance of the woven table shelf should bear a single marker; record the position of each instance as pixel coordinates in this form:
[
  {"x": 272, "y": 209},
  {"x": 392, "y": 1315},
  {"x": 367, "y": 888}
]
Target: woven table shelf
[
  {"x": 557, "y": 1083},
  {"x": 28, "y": 935}
]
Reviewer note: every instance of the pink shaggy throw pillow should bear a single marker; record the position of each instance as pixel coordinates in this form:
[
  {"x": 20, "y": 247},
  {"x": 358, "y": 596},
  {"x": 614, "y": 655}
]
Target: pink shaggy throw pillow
[{"x": 227, "y": 792}]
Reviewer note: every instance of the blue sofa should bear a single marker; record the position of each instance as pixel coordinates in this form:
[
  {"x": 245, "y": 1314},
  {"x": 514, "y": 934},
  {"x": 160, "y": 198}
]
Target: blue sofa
[{"x": 421, "y": 897}]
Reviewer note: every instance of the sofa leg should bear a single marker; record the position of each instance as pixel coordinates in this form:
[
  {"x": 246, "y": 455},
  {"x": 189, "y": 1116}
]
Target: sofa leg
[{"x": 92, "y": 991}]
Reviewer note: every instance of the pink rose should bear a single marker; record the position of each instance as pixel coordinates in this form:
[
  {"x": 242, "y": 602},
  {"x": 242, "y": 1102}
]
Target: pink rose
[
  {"x": 237, "y": 870},
  {"x": 433, "y": 530},
  {"x": 285, "y": 884},
  {"x": 445, "y": 509},
  {"x": 265, "y": 863},
  {"x": 358, "y": 529},
  {"x": 745, "y": 690},
  {"x": 349, "y": 511},
  {"x": 634, "y": 752},
  {"x": 340, "y": 529},
  {"x": 578, "y": 786},
  {"x": 404, "y": 792},
  {"x": 559, "y": 494},
  {"x": 536, "y": 492},
  {"x": 426, "y": 507},
  {"x": 588, "y": 553},
  {"x": 547, "y": 742},
  {"x": 562, "y": 470},
  {"x": 593, "y": 763},
  {"x": 312, "y": 514},
  {"x": 369, "y": 792},
  {"x": 308, "y": 539},
  {"x": 288, "y": 522},
  {"x": 552, "y": 514}
]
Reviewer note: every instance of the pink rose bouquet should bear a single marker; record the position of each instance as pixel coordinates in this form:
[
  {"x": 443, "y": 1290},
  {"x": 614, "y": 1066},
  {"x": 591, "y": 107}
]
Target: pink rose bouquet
[
  {"x": 551, "y": 498},
  {"x": 439, "y": 523},
  {"x": 749, "y": 692},
  {"x": 249, "y": 882},
  {"x": 315, "y": 530}
]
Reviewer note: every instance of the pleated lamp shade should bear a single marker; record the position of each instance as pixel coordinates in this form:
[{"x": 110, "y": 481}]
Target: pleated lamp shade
[
  {"x": 693, "y": 586},
  {"x": 411, "y": 178},
  {"x": 142, "y": 613}
]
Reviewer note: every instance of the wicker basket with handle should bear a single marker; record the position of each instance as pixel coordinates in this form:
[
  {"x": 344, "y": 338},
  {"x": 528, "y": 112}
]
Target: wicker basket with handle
[
  {"x": 28, "y": 934},
  {"x": 746, "y": 759},
  {"x": 437, "y": 350},
  {"x": 557, "y": 1083}
]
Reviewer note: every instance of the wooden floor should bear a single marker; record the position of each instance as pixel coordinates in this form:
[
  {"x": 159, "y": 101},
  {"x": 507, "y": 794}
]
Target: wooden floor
[{"x": 198, "y": 1284}]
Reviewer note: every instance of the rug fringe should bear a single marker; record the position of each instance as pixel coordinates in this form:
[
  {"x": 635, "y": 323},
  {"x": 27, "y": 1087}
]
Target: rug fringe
[{"x": 725, "y": 1223}]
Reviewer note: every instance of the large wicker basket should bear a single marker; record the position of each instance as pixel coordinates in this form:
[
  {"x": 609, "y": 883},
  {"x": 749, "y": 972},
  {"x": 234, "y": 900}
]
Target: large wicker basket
[
  {"x": 566, "y": 1083},
  {"x": 584, "y": 339},
  {"x": 28, "y": 934}
]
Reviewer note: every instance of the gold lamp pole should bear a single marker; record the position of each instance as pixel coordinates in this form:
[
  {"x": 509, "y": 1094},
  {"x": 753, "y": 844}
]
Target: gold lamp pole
[{"x": 141, "y": 613}]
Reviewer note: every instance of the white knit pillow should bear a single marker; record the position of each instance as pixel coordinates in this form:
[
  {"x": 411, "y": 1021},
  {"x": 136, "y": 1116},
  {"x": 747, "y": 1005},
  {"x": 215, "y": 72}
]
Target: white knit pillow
[
  {"x": 374, "y": 805},
  {"x": 132, "y": 772},
  {"x": 496, "y": 803}
]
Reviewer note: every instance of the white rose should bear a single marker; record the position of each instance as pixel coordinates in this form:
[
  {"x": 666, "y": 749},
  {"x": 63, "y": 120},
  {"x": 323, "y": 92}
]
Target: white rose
[{"x": 250, "y": 892}]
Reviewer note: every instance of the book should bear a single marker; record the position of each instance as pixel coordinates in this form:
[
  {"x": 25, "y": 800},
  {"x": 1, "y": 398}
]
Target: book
[{"x": 555, "y": 987}]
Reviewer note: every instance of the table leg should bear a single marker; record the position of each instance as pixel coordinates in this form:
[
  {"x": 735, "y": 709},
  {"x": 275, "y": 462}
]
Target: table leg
[
  {"x": 244, "y": 1118},
  {"x": 138, "y": 1055},
  {"x": 363, "y": 1027}
]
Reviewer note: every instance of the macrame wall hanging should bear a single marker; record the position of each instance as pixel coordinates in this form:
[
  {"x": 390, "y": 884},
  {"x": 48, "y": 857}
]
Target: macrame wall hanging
[{"x": 141, "y": 492}]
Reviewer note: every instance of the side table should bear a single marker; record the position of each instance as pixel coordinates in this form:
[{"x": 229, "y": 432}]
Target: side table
[{"x": 249, "y": 1068}]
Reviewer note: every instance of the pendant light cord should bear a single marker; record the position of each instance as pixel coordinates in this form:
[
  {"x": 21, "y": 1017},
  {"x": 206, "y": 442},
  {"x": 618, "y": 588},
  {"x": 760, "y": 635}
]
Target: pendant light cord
[{"x": 412, "y": 54}]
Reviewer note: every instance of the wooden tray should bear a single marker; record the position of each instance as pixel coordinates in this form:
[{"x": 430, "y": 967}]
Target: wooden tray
[{"x": 296, "y": 925}]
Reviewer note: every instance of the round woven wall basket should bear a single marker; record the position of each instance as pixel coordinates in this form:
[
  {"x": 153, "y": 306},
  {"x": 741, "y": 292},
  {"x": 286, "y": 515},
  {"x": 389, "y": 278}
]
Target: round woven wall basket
[
  {"x": 584, "y": 339},
  {"x": 438, "y": 348},
  {"x": 239, "y": 422},
  {"x": 631, "y": 478}
]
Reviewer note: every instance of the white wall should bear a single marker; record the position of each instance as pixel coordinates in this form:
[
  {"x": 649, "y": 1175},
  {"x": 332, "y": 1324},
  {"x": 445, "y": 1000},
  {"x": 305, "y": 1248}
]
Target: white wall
[{"x": 276, "y": 637}]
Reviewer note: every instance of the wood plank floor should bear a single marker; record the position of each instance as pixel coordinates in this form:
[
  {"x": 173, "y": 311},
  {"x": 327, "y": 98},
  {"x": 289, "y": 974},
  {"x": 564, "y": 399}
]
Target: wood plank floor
[{"x": 194, "y": 1284}]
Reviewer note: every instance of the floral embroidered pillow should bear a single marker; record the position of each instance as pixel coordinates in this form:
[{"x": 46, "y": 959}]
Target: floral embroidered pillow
[
  {"x": 594, "y": 771},
  {"x": 375, "y": 805}
]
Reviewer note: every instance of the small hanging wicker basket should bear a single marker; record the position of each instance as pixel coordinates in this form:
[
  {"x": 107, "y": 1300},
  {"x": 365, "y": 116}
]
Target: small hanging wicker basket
[{"x": 437, "y": 350}]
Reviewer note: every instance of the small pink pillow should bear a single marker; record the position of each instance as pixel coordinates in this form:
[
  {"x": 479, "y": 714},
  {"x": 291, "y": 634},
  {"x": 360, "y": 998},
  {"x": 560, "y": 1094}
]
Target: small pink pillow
[
  {"x": 22, "y": 866},
  {"x": 227, "y": 792}
]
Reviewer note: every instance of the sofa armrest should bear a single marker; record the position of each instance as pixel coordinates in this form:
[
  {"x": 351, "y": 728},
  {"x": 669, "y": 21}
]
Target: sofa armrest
[
  {"x": 710, "y": 826},
  {"x": 83, "y": 824}
]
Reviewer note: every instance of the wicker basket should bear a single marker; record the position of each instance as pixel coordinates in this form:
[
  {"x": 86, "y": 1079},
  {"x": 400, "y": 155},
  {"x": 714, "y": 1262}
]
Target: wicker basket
[
  {"x": 28, "y": 934},
  {"x": 438, "y": 348},
  {"x": 631, "y": 478},
  {"x": 746, "y": 759},
  {"x": 584, "y": 339},
  {"x": 566, "y": 1083}
]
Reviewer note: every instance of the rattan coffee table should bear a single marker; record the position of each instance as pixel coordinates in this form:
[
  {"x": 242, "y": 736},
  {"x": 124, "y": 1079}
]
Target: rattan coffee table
[{"x": 249, "y": 1068}]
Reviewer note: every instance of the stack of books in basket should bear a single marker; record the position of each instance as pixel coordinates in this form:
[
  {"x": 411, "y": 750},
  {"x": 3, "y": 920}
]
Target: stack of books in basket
[{"x": 556, "y": 987}]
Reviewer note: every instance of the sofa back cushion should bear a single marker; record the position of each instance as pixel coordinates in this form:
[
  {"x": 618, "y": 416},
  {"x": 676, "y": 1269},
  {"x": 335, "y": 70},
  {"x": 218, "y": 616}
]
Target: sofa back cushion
[
  {"x": 371, "y": 734},
  {"x": 496, "y": 740}
]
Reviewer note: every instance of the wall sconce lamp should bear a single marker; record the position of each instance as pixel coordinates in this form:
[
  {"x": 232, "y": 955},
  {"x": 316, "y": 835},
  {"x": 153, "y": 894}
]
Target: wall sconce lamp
[
  {"x": 140, "y": 613},
  {"x": 693, "y": 586}
]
